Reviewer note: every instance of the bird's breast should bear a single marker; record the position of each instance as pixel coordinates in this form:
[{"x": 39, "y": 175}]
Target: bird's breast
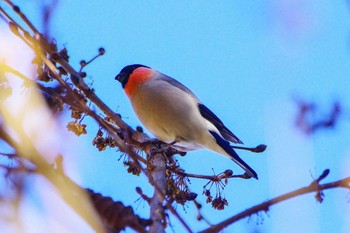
[
  {"x": 137, "y": 79},
  {"x": 168, "y": 112}
]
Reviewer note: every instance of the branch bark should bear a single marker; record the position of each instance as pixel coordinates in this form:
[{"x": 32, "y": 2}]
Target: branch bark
[{"x": 158, "y": 166}]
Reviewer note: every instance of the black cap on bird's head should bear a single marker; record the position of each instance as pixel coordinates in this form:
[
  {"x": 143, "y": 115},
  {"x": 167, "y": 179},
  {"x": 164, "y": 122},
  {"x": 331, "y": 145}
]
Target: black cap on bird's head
[{"x": 124, "y": 74}]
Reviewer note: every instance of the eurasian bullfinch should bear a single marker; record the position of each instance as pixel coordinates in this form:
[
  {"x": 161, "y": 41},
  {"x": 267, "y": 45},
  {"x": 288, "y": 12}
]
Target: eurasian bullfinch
[{"x": 174, "y": 115}]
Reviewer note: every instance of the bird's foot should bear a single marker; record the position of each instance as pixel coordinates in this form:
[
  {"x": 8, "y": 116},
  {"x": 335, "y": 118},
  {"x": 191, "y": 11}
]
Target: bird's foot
[{"x": 154, "y": 141}]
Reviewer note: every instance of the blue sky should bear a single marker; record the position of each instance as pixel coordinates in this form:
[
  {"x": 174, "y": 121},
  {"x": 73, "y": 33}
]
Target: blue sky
[{"x": 247, "y": 61}]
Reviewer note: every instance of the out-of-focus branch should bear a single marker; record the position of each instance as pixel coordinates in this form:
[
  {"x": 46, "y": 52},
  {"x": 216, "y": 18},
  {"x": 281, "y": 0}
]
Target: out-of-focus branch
[
  {"x": 7, "y": 69},
  {"x": 265, "y": 206},
  {"x": 69, "y": 191},
  {"x": 117, "y": 216},
  {"x": 309, "y": 120}
]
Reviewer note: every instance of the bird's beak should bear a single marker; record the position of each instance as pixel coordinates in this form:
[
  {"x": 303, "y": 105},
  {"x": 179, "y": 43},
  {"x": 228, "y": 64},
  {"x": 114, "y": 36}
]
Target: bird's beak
[{"x": 120, "y": 77}]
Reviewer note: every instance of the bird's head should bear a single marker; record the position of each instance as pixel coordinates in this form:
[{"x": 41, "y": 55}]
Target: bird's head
[{"x": 132, "y": 76}]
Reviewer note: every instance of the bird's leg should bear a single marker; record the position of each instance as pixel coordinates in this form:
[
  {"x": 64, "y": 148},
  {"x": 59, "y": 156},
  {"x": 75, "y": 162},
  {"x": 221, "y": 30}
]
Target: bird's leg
[
  {"x": 171, "y": 150},
  {"x": 162, "y": 147},
  {"x": 154, "y": 145},
  {"x": 153, "y": 141},
  {"x": 177, "y": 139},
  {"x": 172, "y": 143}
]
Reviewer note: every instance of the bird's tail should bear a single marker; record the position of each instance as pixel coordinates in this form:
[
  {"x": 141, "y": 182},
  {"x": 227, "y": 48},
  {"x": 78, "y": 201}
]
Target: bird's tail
[{"x": 225, "y": 145}]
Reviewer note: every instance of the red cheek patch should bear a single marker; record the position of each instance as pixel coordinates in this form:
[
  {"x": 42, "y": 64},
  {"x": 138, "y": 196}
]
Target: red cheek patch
[{"x": 136, "y": 79}]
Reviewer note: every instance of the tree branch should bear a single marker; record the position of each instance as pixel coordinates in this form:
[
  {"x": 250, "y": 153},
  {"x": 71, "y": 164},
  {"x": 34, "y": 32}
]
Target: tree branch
[
  {"x": 70, "y": 192},
  {"x": 158, "y": 168},
  {"x": 265, "y": 206},
  {"x": 115, "y": 215},
  {"x": 227, "y": 174}
]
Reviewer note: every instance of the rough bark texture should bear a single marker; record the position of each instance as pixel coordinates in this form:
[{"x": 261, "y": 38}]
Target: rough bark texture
[{"x": 157, "y": 208}]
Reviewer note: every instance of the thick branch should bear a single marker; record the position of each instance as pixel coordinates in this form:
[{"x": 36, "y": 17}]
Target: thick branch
[
  {"x": 265, "y": 206},
  {"x": 158, "y": 166}
]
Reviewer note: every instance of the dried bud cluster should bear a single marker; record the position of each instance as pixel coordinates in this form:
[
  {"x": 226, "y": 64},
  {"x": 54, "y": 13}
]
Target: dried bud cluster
[
  {"x": 177, "y": 188},
  {"x": 132, "y": 168},
  {"x": 101, "y": 142}
]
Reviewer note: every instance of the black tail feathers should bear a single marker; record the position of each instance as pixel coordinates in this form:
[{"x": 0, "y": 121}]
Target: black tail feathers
[{"x": 234, "y": 156}]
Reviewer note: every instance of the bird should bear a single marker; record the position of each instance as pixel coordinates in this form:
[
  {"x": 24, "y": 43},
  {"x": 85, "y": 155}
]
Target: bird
[{"x": 174, "y": 115}]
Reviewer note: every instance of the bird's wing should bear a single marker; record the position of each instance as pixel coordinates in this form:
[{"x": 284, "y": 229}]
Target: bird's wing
[
  {"x": 210, "y": 116},
  {"x": 176, "y": 84},
  {"x": 205, "y": 112}
]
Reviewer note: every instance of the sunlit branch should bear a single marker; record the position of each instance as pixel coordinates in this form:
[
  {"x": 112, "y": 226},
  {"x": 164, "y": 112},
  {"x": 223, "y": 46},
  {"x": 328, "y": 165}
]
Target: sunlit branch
[
  {"x": 22, "y": 16},
  {"x": 7, "y": 69},
  {"x": 64, "y": 186}
]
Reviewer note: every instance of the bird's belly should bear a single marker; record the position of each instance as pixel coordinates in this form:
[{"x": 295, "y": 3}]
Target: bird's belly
[
  {"x": 188, "y": 146},
  {"x": 171, "y": 120}
]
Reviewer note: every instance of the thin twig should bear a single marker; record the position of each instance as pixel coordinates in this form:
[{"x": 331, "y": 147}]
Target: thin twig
[
  {"x": 23, "y": 17},
  {"x": 219, "y": 177},
  {"x": 7, "y": 69},
  {"x": 265, "y": 206}
]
